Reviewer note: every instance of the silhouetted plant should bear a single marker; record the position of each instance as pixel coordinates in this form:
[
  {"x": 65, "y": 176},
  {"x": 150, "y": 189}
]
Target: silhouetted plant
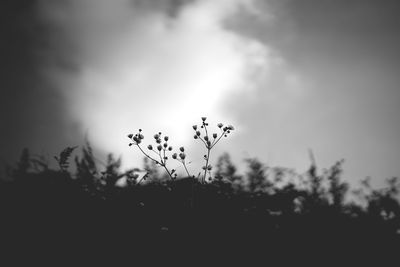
[
  {"x": 271, "y": 208},
  {"x": 63, "y": 158},
  {"x": 162, "y": 149},
  {"x": 226, "y": 170},
  {"x": 210, "y": 141},
  {"x": 337, "y": 189},
  {"x": 256, "y": 175},
  {"x": 93, "y": 179}
]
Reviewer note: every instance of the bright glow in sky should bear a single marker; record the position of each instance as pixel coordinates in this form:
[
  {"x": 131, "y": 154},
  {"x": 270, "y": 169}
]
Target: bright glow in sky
[
  {"x": 146, "y": 69},
  {"x": 290, "y": 75}
]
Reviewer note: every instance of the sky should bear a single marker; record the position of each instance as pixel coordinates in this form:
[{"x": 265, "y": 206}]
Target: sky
[{"x": 290, "y": 75}]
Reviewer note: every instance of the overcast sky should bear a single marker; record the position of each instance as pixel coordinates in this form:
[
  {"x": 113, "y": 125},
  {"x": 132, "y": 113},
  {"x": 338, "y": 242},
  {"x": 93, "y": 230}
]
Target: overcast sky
[{"x": 291, "y": 75}]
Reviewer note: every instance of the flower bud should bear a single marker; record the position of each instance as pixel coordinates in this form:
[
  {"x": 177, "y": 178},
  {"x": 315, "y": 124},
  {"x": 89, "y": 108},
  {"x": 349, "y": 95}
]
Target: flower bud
[
  {"x": 150, "y": 147},
  {"x": 220, "y": 125},
  {"x": 170, "y": 148},
  {"x": 182, "y": 155},
  {"x": 165, "y": 138},
  {"x": 182, "y": 149},
  {"x": 198, "y": 133},
  {"x": 130, "y": 136},
  {"x": 174, "y": 156},
  {"x": 159, "y": 147},
  {"x": 215, "y": 135},
  {"x": 165, "y": 145},
  {"x": 203, "y": 118},
  {"x": 194, "y": 127},
  {"x": 156, "y": 136}
]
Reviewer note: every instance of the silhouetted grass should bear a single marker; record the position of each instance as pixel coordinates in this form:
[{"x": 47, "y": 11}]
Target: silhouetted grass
[{"x": 264, "y": 213}]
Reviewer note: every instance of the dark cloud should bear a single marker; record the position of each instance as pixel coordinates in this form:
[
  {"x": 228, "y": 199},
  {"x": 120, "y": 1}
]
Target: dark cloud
[
  {"x": 346, "y": 55},
  {"x": 355, "y": 28},
  {"x": 170, "y": 7},
  {"x": 32, "y": 112}
]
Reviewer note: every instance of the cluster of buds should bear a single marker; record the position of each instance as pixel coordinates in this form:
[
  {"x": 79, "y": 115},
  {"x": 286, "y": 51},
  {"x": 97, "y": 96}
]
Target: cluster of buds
[
  {"x": 137, "y": 138},
  {"x": 181, "y": 155},
  {"x": 160, "y": 151},
  {"x": 162, "y": 148},
  {"x": 210, "y": 140}
]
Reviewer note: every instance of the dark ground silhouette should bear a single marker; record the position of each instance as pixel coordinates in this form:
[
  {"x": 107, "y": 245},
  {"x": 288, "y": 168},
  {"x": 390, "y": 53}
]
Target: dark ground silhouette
[{"x": 261, "y": 215}]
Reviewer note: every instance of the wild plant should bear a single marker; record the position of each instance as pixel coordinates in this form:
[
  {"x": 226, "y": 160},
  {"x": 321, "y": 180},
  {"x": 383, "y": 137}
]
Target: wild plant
[{"x": 160, "y": 151}]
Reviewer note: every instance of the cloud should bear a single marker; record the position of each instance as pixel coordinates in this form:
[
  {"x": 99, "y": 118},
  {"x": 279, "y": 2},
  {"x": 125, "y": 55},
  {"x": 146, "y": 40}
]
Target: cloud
[{"x": 124, "y": 65}]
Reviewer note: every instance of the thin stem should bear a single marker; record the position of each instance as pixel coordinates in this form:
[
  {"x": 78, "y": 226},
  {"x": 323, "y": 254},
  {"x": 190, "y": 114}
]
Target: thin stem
[
  {"x": 207, "y": 159},
  {"x": 169, "y": 174},
  {"x": 204, "y": 142},
  {"x": 162, "y": 163},
  {"x": 184, "y": 165},
  {"x": 218, "y": 139},
  {"x": 144, "y": 176},
  {"x": 205, "y": 128},
  {"x": 147, "y": 155}
]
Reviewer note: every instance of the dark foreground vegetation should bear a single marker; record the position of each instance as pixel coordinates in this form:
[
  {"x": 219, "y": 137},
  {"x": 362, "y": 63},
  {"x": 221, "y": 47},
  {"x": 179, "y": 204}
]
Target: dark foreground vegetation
[{"x": 265, "y": 213}]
